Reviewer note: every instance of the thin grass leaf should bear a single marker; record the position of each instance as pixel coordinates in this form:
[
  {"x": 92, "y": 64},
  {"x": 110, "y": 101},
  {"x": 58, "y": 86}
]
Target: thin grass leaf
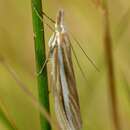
[
  {"x": 126, "y": 81},
  {"x": 110, "y": 67},
  {"x": 39, "y": 43},
  {"x": 122, "y": 26},
  {"x": 6, "y": 118},
  {"x": 31, "y": 97}
]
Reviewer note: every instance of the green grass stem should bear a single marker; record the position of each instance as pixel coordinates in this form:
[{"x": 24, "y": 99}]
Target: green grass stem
[{"x": 40, "y": 57}]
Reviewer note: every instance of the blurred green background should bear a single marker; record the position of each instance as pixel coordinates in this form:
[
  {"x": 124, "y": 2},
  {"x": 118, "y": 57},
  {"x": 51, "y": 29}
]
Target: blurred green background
[{"x": 86, "y": 23}]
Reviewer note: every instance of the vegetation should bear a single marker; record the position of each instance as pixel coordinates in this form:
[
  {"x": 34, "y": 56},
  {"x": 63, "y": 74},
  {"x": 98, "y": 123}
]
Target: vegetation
[{"x": 103, "y": 32}]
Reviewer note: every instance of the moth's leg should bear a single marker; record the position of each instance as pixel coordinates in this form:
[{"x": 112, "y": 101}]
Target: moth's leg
[
  {"x": 43, "y": 66},
  {"x": 47, "y": 59},
  {"x": 51, "y": 41}
]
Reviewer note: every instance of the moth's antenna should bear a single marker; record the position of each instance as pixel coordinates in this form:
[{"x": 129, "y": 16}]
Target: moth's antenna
[
  {"x": 48, "y": 17},
  {"x": 78, "y": 43},
  {"x": 42, "y": 19},
  {"x": 75, "y": 39},
  {"x": 81, "y": 70},
  {"x": 43, "y": 13}
]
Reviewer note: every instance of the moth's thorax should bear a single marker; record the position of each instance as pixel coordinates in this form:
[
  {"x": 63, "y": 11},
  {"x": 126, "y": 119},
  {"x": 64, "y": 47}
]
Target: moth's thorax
[
  {"x": 59, "y": 36},
  {"x": 60, "y": 28}
]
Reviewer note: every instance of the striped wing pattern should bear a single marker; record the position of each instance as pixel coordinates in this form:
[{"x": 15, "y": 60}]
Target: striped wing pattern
[{"x": 64, "y": 86}]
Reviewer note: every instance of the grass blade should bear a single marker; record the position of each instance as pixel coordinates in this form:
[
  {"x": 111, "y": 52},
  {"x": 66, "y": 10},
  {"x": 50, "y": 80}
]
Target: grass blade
[
  {"x": 31, "y": 97},
  {"x": 110, "y": 66},
  {"x": 122, "y": 26},
  {"x": 5, "y": 117},
  {"x": 39, "y": 42}
]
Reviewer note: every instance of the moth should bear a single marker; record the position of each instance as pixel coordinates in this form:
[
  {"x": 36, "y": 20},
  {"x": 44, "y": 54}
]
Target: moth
[
  {"x": 64, "y": 89},
  {"x": 66, "y": 99}
]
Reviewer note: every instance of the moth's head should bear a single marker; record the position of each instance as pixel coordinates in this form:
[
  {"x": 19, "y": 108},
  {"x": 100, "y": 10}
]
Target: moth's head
[{"x": 59, "y": 20}]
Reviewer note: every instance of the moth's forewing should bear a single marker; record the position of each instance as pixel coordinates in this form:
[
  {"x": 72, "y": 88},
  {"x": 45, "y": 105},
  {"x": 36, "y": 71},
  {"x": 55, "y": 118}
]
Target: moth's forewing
[
  {"x": 64, "y": 83},
  {"x": 65, "y": 92},
  {"x": 75, "y": 118},
  {"x": 58, "y": 94}
]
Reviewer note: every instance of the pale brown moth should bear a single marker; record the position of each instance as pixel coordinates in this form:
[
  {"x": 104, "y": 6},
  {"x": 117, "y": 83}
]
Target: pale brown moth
[
  {"x": 66, "y": 99},
  {"x": 64, "y": 84}
]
